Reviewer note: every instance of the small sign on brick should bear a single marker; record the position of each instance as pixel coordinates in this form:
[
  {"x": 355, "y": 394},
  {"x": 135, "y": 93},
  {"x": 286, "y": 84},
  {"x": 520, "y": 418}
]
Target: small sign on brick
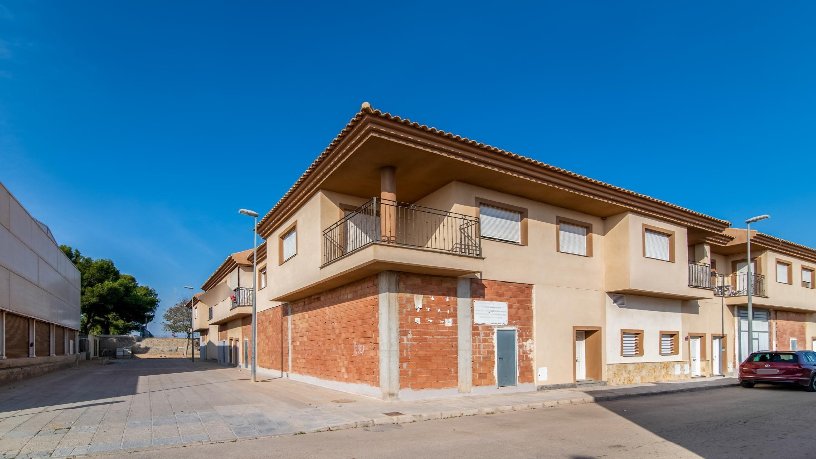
[{"x": 490, "y": 312}]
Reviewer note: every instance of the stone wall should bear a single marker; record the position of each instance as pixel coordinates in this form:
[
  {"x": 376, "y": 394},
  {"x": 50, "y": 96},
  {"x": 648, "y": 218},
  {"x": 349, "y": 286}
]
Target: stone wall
[
  {"x": 14, "y": 370},
  {"x": 643, "y": 372}
]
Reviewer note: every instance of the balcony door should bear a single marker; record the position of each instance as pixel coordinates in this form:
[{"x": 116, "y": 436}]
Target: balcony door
[{"x": 742, "y": 275}]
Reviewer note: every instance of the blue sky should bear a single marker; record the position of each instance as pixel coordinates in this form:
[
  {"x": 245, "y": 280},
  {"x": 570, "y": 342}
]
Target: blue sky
[{"x": 137, "y": 129}]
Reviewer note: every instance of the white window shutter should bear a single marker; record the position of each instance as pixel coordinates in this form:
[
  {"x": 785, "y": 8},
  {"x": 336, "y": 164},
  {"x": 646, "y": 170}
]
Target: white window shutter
[
  {"x": 290, "y": 245},
  {"x": 572, "y": 239},
  {"x": 630, "y": 344},
  {"x": 657, "y": 245},
  {"x": 500, "y": 224},
  {"x": 666, "y": 344},
  {"x": 782, "y": 273}
]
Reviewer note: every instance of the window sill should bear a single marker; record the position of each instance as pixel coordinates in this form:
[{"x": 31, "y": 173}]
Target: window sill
[
  {"x": 659, "y": 259},
  {"x": 505, "y": 241}
]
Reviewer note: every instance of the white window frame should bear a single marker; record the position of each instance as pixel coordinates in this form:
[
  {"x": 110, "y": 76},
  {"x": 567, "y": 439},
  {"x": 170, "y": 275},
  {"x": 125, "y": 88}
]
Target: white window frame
[{"x": 262, "y": 280}]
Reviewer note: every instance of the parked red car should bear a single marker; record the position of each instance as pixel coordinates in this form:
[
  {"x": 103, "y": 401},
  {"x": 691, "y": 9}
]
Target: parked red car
[{"x": 793, "y": 367}]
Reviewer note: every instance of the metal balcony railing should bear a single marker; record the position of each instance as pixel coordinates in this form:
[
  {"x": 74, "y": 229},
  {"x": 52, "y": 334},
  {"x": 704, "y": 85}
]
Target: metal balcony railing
[
  {"x": 700, "y": 275},
  {"x": 737, "y": 284},
  {"x": 241, "y": 296},
  {"x": 380, "y": 221}
]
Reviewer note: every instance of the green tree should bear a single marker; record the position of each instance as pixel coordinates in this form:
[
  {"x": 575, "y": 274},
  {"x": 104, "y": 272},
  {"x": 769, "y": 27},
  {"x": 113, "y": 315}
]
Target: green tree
[
  {"x": 177, "y": 318},
  {"x": 111, "y": 302}
]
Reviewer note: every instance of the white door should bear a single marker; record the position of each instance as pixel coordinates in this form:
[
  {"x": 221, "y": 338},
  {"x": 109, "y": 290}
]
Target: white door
[
  {"x": 716, "y": 349},
  {"x": 694, "y": 344},
  {"x": 580, "y": 355}
]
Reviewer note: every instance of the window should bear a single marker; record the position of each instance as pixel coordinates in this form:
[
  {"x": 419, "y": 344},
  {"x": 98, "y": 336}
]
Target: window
[
  {"x": 794, "y": 344},
  {"x": 807, "y": 278},
  {"x": 669, "y": 343},
  {"x": 500, "y": 223},
  {"x": 713, "y": 265},
  {"x": 262, "y": 277},
  {"x": 631, "y": 343},
  {"x": 783, "y": 272},
  {"x": 288, "y": 244},
  {"x": 658, "y": 244},
  {"x": 574, "y": 237}
]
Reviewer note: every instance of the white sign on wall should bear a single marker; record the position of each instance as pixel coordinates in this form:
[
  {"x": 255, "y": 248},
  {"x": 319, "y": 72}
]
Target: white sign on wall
[{"x": 490, "y": 312}]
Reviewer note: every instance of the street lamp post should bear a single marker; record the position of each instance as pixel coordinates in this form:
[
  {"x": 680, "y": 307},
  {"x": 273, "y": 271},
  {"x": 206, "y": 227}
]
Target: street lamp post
[
  {"x": 750, "y": 282},
  {"x": 192, "y": 323},
  {"x": 254, "y": 215}
]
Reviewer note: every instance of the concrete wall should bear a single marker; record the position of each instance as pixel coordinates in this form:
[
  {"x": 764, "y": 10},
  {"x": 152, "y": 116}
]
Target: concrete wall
[{"x": 36, "y": 279}]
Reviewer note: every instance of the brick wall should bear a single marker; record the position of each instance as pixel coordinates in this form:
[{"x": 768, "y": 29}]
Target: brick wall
[
  {"x": 246, "y": 336},
  {"x": 519, "y": 299},
  {"x": 335, "y": 334},
  {"x": 790, "y": 325},
  {"x": 428, "y": 331},
  {"x": 273, "y": 339}
]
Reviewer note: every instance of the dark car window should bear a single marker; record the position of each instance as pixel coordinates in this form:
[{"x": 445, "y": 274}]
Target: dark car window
[
  {"x": 785, "y": 358},
  {"x": 761, "y": 357}
]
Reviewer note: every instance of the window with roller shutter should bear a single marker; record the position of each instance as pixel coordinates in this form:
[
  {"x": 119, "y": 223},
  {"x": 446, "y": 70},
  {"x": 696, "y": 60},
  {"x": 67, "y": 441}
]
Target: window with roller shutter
[
  {"x": 574, "y": 237},
  {"x": 500, "y": 224},
  {"x": 658, "y": 245}
]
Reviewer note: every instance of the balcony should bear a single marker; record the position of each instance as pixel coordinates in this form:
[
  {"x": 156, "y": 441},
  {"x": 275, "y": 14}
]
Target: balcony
[
  {"x": 737, "y": 284},
  {"x": 241, "y": 296},
  {"x": 701, "y": 276},
  {"x": 398, "y": 224},
  {"x": 237, "y": 305}
]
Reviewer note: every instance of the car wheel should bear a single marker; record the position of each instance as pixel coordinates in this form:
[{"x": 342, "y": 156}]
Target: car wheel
[
  {"x": 812, "y": 386},
  {"x": 748, "y": 385}
]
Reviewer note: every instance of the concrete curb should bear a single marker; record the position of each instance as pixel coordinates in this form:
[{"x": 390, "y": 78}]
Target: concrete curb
[{"x": 432, "y": 416}]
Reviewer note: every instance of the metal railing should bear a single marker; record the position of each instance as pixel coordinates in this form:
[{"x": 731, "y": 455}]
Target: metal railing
[
  {"x": 700, "y": 275},
  {"x": 241, "y": 296},
  {"x": 737, "y": 284},
  {"x": 389, "y": 222}
]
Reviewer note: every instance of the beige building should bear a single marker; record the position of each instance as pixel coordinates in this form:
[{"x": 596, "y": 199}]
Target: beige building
[
  {"x": 410, "y": 262},
  {"x": 39, "y": 295}
]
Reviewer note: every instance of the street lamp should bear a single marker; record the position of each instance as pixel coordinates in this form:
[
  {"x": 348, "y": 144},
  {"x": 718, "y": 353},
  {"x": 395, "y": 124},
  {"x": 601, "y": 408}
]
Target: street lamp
[
  {"x": 254, "y": 215},
  {"x": 192, "y": 323},
  {"x": 750, "y": 282}
]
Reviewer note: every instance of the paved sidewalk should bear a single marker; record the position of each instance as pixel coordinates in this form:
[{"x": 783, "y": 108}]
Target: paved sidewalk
[{"x": 140, "y": 404}]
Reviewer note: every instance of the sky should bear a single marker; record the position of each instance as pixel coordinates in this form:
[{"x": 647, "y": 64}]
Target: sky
[{"x": 137, "y": 129}]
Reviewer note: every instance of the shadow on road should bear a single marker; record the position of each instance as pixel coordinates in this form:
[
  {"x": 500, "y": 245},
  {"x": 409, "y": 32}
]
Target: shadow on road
[
  {"x": 91, "y": 381},
  {"x": 728, "y": 422}
]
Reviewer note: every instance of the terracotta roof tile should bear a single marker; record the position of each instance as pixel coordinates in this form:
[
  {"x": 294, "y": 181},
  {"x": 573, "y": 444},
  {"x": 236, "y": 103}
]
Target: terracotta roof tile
[{"x": 367, "y": 110}]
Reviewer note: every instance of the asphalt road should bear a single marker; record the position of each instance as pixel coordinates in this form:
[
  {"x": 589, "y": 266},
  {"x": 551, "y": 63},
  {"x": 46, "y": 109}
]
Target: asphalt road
[{"x": 728, "y": 422}]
